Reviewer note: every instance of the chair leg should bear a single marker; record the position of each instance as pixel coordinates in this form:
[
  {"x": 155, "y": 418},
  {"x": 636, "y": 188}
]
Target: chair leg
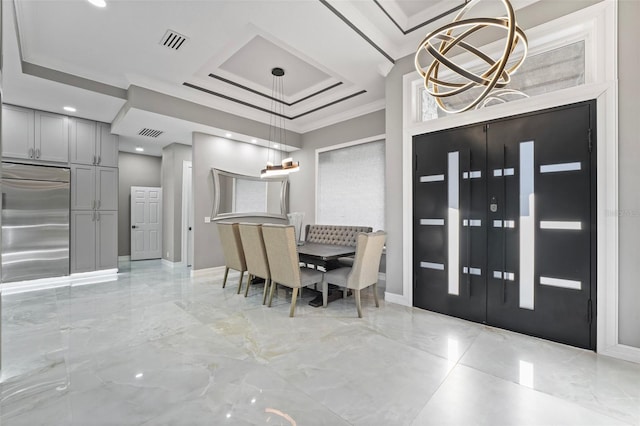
[
  {"x": 224, "y": 281},
  {"x": 357, "y": 293},
  {"x": 266, "y": 288},
  {"x": 294, "y": 296},
  {"x": 325, "y": 292},
  {"x": 375, "y": 294},
  {"x": 246, "y": 292},
  {"x": 273, "y": 287},
  {"x": 240, "y": 282}
]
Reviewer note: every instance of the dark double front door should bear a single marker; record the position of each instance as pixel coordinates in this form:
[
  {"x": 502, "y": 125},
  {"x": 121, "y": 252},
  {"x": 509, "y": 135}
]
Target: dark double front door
[{"x": 504, "y": 223}]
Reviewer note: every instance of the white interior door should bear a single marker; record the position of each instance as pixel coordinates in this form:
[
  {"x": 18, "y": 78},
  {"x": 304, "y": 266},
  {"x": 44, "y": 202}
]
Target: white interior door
[
  {"x": 187, "y": 214},
  {"x": 146, "y": 223}
]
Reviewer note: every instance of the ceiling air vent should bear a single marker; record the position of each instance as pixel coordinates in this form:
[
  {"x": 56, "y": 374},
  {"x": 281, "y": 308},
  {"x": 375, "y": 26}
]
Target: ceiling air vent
[
  {"x": 150, "y": 133},
  {"x": 173, "y": 40}
]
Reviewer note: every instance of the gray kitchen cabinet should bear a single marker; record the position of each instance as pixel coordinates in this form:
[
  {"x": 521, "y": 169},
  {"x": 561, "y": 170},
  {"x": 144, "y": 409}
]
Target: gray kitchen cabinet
[
  {"x": 106, "y": 188},
  {"x": 94, "y": 188},
  {"x": 106, "y": 146},
  {"x": 83, "y": 141},
  {"x": 51, "y": 137},
  {"x": 94, "y": 240},
  {"x": 83, "y": 187},
  {"x": 83, "y": 241},
  {"x": 35, "y": 135},
  {"x": 17, "y": 132},
  {"x": 93, "y": 144},
  {"x": 106, "y": 239}
]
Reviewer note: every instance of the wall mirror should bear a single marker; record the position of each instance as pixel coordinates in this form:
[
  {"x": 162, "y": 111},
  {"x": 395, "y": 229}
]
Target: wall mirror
[{"x": 236, "y": 195}]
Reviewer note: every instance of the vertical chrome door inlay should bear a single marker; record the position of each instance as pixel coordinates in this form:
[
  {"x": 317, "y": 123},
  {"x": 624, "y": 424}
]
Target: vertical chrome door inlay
[
  {"x": 431, "y": 178},
  {"x": 453, "y": 176},
  {"x": 527, "y": 225}
]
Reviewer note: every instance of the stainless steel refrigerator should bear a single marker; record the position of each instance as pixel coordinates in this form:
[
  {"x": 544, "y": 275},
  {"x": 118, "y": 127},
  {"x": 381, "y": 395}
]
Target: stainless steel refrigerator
[{"x": 35, "y": 222}]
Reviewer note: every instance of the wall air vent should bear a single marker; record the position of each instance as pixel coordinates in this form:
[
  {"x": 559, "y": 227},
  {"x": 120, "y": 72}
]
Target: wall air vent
[
  {"x": 173, "y": 40},
  {"x": 150, "y": 133}
]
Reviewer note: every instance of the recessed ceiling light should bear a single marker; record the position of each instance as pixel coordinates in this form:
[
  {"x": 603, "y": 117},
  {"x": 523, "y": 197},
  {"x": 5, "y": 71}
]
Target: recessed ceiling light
[
  {"x": 69, "y": 108},
  {"x": 254, "y": 141},
  {"x": 228, "y": 135},
  {"x": 139, "y": 149},
  {"x": 98, "y": 3}
]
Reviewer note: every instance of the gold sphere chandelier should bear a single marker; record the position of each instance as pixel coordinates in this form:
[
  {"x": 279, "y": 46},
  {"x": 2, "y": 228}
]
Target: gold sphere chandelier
[{"x": 495, "y": 74}]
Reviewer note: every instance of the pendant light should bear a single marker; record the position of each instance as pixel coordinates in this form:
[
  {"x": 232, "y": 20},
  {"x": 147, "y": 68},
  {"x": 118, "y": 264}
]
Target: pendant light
[{"x": 276, "y": 165}]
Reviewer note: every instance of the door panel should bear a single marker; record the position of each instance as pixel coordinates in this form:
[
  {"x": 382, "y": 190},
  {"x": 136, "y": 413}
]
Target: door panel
[
  {"x": 107, "y": 188},
  {"x": 106, "y": 146},
  {"x": 561, "y": 241},
  {"x": 82, "y": 141},
  {"x": 449, "y": 219},
  {"x": 516, "y": 248},
  {"x": 146, "y": 223},
  {"x": 83, "y": 241},
  {"x": 51, "y": 137},
  {"x": 83, "y": 185},
  {"x": 17, "y": 132}
]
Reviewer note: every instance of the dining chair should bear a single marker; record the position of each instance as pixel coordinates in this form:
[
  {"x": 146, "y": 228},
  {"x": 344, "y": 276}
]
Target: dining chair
[
  {"x": 363, "y": 273},
  {"x": 280, "y": 242},
  {"x": 232, "y": 250},
  {"x": 255, "y": 255}
]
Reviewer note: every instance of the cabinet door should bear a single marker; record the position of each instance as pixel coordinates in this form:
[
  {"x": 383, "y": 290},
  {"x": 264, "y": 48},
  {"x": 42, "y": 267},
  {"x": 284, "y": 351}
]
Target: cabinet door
[
  {"x": 106, "y": 240},
  {"x": 83, "y": 187},
  {"x": 82, "y": 144},
  {"x": 107, "y": 188},
  {"x": 83, "y": 241},
  {"x": 52, "y": 137},
  {"x": 106, "y": 147},
  {"x": 17, "y": 132}
]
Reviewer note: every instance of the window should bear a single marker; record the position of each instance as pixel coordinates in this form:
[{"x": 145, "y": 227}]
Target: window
[{"x": 350, "y": 186}]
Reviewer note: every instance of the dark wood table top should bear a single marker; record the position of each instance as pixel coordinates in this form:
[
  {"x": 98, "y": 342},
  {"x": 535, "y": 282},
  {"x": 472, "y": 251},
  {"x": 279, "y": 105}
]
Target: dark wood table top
[{"x": 326, "y": 251}]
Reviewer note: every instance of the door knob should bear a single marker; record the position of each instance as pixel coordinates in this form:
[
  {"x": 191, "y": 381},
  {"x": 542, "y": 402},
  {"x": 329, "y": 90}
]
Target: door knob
[
  {"x": 493, "y": 205},
  {"x": 133, "y": 227}
]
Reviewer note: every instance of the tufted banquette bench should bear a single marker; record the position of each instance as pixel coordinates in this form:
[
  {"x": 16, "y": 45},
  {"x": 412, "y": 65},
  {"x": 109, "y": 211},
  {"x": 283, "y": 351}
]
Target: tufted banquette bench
[{"x": 333, "y": 234}]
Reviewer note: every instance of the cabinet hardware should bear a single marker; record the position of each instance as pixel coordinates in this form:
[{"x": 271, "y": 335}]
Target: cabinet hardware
[
  {"x": 37, "y": 152},
  {"x": 98, "y": 202},
  {"x": 99, "y": 159},
  {"x": 94, "y": 160},
  {"x": 93, "y": 216},
  {"x": 30, "y": 152},
  {"x": 98, "y": 213}
]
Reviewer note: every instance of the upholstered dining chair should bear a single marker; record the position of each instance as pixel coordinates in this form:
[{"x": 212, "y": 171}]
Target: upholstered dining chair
[
  {"x": 280, "y": 242},
  {"x": 255, "y": 255},
  {"x": 363, "y": 273},
  {"x": 232, "y": 251}
]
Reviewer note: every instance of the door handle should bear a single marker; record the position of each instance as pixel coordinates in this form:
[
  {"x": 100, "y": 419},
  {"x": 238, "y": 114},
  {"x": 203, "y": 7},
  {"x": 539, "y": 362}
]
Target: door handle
[
  {"x": 94, "y": 160},
  {"x": 99, "y": 159},
  {"x": 98, "y": 215},
  {"x": 189, "y": 228},
  {"x": 30, "y": 152},
  {"x": 93, "y": 205},
  {"x": 98, "y": 202},
  {"x": 38, "y": 153},
  {"x": 133, "y": 227},
  {"x": 93, "y": 216}
]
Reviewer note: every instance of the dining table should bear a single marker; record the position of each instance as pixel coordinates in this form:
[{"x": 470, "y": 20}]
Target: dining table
[{"x": 326, "y": 256}]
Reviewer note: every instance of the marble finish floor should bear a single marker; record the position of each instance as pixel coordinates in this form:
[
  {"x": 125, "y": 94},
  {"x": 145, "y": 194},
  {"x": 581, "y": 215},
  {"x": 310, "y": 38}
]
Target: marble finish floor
[{"x": 157, "y": 347}]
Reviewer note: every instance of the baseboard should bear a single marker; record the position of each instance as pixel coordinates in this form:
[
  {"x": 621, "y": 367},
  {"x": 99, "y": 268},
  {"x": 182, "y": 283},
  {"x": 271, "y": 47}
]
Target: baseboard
[
  {"x": 207, "y": 271},
  {"x": 171, "y": 264},
  {"x": 398, "y": 299},
  {"x": 124, "y": 258},
  {"x": 625, "y": 352},
  {"x": 77, "y": 279}
]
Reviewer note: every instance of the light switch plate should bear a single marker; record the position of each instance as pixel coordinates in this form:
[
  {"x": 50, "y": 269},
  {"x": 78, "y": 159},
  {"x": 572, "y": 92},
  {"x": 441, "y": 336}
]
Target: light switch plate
[{"x": 207, "y": 219}]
